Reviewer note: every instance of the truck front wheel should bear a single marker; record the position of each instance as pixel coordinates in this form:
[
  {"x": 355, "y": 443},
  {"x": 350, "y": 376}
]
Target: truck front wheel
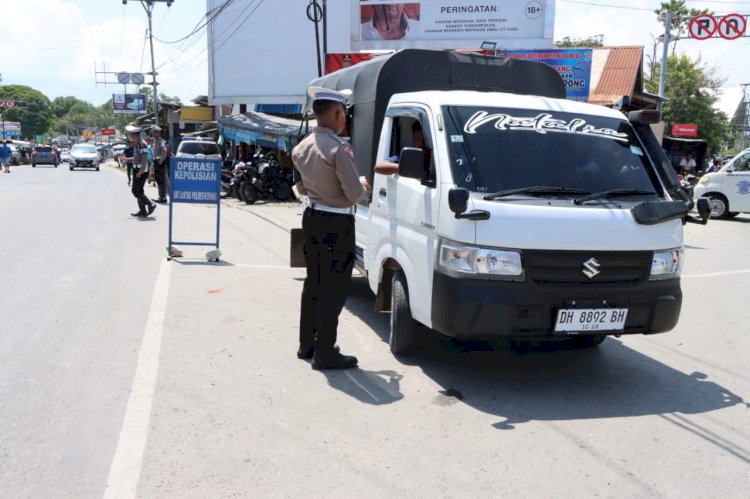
[{"x": 403, "y": 338}]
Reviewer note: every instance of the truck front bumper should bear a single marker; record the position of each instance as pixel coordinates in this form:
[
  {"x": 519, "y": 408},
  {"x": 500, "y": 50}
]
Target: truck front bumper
[{"x": 476, "y": 308}]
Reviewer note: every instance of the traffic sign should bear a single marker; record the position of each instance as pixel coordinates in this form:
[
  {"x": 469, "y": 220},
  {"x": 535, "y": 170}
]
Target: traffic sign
[
  {"x": 732, "y": 26},
  {"x": 7, "y": 103},
  {"x": 702, "y": 27}
]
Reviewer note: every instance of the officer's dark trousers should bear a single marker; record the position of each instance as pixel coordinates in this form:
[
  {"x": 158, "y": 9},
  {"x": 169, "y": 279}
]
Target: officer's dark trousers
[
  {"x": 129, "y": 167},
  {"x": 329, "y": 254},
  {"x": 160, "y": 174},
  {"x": 137, "y": 190}
]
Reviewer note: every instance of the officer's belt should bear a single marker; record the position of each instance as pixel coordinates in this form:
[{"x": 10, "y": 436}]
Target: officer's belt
[{"x": 332, "y": 209}]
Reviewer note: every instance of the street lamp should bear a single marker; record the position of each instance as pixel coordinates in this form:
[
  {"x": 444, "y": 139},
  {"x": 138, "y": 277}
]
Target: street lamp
[{"x": 148, "y": 6}]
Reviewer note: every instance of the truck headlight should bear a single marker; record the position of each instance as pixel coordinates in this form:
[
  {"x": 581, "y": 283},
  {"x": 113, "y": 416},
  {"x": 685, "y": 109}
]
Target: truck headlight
[
  {"x": 667, "y": 264},
  {"x": 456, "y": 257},
  {"x": 704, "y": 180}
]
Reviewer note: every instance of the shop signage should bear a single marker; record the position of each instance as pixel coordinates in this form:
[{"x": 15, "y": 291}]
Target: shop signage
[
  {"x": 574, "y": 66},
  {"x": 7, "y": 103},
  {"x": 389, "y": 24},
  {"x": 108, "y": 131},
  {"x": 129, "y": 103},
  {"x": 684, "y": 130}
]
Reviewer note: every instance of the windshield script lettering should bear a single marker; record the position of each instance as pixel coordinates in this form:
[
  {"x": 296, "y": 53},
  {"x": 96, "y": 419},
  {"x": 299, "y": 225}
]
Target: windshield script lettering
[{"x": 542, "y": 123}]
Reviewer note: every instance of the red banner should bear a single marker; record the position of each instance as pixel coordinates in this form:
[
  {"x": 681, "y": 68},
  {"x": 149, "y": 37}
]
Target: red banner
[
  {"x": 683, "y": 130},
  {"x": 334, "y": 62},
  {"x": 108, "y": 131}
]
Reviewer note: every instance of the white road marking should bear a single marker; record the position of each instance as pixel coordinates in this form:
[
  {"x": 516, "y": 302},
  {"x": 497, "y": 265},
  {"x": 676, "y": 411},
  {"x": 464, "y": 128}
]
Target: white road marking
[
  {"x": 126, "y": 464},
  {"x": 716, "y": 274}
]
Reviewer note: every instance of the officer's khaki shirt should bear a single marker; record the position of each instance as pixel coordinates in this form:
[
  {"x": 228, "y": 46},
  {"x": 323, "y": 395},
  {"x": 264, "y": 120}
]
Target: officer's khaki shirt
[{"x": 325, "y": 162}]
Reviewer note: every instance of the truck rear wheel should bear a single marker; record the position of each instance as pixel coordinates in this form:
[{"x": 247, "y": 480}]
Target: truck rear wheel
[{"x": 403, "y": 337}]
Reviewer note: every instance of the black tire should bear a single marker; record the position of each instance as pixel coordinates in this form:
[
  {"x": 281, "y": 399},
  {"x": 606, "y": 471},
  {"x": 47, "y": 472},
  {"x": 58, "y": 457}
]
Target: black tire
[
  {"x": 719, "y": 205},
  {"x": 283, "y": 191},
  {"x": 589, "y": 340},
  {"x": 55, "y": 165},
  {"x": 241, "y": 191},
  {"x": 403, "y": 337},
  {"x": 249, "y": 193},
  {"x": 236, "y": 191},
  {"x": 71, "y": 168},
  {"x": 33, "y": 165}
]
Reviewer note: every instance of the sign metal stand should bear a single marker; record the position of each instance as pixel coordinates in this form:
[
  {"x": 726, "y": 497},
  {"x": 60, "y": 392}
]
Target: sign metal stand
[{"x": 194, "y": 181}]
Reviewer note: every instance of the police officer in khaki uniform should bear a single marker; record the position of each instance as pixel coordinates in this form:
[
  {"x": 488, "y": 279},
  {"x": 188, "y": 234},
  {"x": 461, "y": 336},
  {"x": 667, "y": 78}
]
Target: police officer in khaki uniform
[
  {"x": 141, "y": 170},
  {"x": 331, "y": 182},
  {"x": 159, "y": 148}
]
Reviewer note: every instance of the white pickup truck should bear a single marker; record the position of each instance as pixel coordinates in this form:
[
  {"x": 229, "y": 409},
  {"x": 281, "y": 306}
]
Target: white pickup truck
[{"x": 523, "y": 214}]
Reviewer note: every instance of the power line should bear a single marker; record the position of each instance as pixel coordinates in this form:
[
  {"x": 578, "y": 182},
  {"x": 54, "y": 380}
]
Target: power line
[
  {"x": 197, "y": 28},
  {"x": 612, "y": 6}
]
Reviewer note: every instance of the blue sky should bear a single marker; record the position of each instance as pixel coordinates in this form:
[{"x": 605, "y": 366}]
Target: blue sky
[{"x": 52, "y": 45}]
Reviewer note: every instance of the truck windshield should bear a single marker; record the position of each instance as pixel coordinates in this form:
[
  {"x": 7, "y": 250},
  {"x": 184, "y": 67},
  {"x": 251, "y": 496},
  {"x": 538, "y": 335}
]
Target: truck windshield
[{"x": 501, "y": 149}]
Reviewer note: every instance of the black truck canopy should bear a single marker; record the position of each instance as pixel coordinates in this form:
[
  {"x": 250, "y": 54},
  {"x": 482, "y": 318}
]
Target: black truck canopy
[{"x": 412, "y": 70}]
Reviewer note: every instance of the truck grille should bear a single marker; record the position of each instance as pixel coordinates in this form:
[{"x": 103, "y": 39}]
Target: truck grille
[{"x": 546, "y": 267}]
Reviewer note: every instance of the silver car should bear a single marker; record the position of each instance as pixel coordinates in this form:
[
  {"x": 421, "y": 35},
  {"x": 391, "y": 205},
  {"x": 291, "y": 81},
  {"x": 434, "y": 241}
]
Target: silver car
[
  {"x": 84, "y": 156},
  {"x": 198, "y": 149}
]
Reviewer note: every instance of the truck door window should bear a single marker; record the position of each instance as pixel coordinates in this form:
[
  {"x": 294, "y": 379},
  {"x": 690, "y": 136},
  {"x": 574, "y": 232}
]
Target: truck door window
[
  {"x": 409, "y": 132},
  {"x": 494, "y": 149}
]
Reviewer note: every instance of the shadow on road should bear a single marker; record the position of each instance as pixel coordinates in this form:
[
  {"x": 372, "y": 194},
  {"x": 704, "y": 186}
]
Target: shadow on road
[
  {"x": 553, "y": 384},
  {"x": 369, "y": 387}
]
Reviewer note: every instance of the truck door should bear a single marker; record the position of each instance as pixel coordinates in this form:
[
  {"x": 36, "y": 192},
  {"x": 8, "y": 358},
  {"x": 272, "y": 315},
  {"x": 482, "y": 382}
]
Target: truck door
[
  {"x": 736, "y": 184},
  {"x": 404, "y": 211}
]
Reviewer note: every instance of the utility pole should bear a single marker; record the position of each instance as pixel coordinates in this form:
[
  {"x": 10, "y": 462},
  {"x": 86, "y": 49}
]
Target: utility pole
[
  {"x": 148, "y": 6},
  {"x": 664, "y": 57}
]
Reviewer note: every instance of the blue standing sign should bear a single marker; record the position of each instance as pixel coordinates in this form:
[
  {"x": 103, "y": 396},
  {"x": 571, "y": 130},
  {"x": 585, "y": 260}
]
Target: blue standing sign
[
  {"x": 574, "y": 66},
  {"x": 194, "y": 181}
]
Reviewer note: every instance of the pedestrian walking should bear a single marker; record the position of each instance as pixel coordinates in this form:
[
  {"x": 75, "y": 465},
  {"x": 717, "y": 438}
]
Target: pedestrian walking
[
  {"x": 159, "y": 153},
  {"x": 140, "y": 165},
  {"x": 6, "y": 156},
  {"x": 329, "y": 178}
]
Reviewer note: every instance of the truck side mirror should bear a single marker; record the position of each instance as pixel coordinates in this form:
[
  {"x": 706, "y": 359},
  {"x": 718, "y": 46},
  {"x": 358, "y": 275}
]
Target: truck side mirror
[
  {"x": 411, "y": 163},
  {"x": 458, "y": 200}
]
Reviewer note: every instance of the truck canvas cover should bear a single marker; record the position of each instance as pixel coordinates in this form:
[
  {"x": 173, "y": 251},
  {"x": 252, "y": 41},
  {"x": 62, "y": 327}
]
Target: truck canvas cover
[{"x": 413, "y": 70}]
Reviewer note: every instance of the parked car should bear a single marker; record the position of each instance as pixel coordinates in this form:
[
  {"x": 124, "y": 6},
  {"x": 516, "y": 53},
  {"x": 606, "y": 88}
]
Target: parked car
[
  {"x": 84, "y": 156},
  {"x": 728, "y": 189},
  {"x": 194, "y": 148},
  {"x": 44, "y": 155}
]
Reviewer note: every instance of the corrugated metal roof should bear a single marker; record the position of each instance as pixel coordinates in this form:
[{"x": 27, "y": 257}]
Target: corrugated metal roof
[{"x": 618, "y": 74}]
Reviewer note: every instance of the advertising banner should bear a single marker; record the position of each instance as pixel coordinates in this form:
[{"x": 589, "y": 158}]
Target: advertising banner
[
  {"x": 394, "y": 24},
  {"x": 129, "y": 103},
  {"x": 195, "y": 180},
  {"x": 334, "y": 62},
  {"x": 684, "y": 130},
  {"x": 574, "y": 65},
  {"x": 108, "y": 131}
]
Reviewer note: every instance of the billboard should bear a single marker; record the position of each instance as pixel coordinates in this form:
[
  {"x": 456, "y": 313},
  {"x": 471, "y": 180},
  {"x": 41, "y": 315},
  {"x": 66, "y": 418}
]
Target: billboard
[
  {"x": 334, "y": 62},
  {"x": 574, "y": 65},
  {"x": 684, "y": 130},
  {"x": 395, "y": 24},
  {"x": 129, "y": 103}
]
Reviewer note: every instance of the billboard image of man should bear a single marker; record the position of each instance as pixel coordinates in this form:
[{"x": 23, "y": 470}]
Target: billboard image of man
[{"x": 389, "y": 21}]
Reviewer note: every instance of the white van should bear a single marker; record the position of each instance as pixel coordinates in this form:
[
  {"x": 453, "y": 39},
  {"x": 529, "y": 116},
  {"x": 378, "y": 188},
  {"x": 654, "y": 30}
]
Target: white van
[
  {"x": 528, "y": 216},
  {"x": 728, "y": 189}
]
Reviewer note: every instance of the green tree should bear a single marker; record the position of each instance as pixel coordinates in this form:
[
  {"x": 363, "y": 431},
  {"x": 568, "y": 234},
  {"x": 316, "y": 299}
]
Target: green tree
[
  {"x": 692, "y": 89},
  {"x": 162, "y": 98},
  {"x": 591, "y": 41},
  {"x": 681, "y": 16},
  {"x": 33, "y": 109}
]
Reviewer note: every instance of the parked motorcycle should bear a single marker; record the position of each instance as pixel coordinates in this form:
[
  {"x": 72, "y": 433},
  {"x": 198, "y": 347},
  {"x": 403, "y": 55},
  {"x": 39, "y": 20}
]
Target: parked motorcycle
[
  {"x": 227, "y": 174},
  {"x": 236, "y": 181},
  {"x": 264, "y": 180}
]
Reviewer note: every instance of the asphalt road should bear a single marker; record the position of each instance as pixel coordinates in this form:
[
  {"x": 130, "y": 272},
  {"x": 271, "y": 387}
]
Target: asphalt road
[{"x": 122, "y": 374}]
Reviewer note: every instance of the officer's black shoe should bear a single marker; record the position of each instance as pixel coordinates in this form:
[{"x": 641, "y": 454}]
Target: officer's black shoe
[
  {"x": 307, "y": 352},
  {"x": 151, "y": 208},
  {"x": 336, "y": 361},
  {"x": 138, "y": 214}
]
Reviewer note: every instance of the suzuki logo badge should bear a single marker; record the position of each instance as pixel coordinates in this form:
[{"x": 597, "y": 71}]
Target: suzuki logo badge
[{"x": 591, "y": 268}]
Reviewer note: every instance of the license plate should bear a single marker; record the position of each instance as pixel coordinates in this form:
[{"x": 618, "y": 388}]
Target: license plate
[{"x": 591, "y": 319}]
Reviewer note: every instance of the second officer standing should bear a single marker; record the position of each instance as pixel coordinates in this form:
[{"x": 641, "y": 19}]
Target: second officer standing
[{"x": 329, "y": 178}]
